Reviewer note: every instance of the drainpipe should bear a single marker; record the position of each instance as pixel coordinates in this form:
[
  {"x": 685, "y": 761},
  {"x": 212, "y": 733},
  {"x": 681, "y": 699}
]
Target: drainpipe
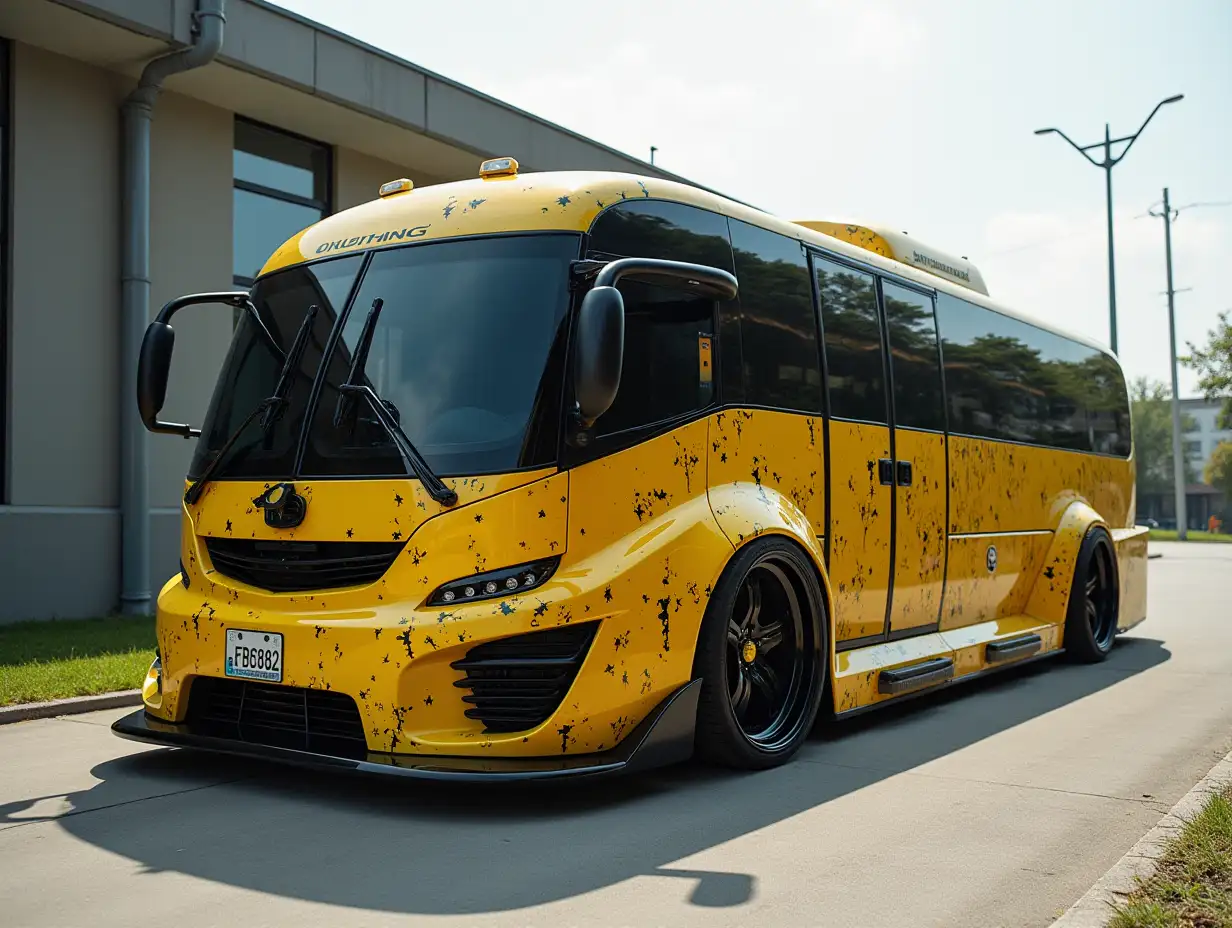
[{"x": 137, "y": 114}]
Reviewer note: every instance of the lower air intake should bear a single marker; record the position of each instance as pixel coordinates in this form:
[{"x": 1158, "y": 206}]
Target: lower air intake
[
  {"x": 320, "y": 721},
  {"x": 517, "y": 683}
]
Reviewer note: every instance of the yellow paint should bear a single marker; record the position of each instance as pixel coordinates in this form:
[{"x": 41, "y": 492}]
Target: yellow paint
[
  {"x": 1050, "y": 593},
  {"x": 973, "y": 593},
  {"x": 644, "y": 534},
  {"x": 859, "y": 563},
  {"x": 919, "y": 534},
  {"x": 1002, "y": 487},
  {"x": 1131, "y": 548},
  {"x": 968, "y": 643},
  {"x": 903, "y": 248}
]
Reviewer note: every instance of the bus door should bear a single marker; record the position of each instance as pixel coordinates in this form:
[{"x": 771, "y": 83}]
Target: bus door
[
  {"x": 920, "y": 477},
  {"x": 859, "y": 455}
]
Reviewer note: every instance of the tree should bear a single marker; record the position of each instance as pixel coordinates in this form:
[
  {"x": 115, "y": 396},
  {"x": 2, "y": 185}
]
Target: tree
[
  {"x": 1214, "y": 366},
  {"x": 1219, "y": 468},
  {"x": 1151, "y": 413}
]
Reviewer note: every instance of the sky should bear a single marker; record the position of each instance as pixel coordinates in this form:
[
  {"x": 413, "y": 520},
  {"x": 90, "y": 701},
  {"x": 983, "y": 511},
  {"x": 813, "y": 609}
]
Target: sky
[{"x": 918, "y": 116}]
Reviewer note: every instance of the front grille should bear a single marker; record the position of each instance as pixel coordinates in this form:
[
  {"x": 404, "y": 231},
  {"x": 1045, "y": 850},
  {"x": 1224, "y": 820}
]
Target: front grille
[
  {"x": 516, "y": 683},
  {"x": 292, "y": 566},
  {"x": 321, "y": 721}
]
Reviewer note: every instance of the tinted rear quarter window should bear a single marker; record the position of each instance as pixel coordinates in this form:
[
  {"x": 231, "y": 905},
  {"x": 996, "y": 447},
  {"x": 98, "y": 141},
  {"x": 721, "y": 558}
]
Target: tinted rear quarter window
[{"x": 1010, "y": 380}]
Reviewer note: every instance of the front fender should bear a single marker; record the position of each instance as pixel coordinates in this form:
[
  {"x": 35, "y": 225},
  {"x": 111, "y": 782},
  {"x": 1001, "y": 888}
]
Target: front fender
[{"x": 745, "y": 511}]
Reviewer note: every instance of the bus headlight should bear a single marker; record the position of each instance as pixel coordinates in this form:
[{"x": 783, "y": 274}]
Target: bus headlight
[{"x": 506, "y": 582}]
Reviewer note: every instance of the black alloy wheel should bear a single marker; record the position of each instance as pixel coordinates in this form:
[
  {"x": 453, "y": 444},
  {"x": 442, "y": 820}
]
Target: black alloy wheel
[
  {"x": 1094, "y": 605},
  {"x": 760, "y": 656}
]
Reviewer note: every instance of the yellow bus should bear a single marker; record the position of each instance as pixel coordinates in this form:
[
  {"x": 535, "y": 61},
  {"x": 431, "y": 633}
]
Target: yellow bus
[{"x": 563, "y": 474}]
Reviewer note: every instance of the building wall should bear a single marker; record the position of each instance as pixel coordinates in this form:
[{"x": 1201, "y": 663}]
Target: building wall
[
  {"x": 60, "y": 535},
  {"x": 1202, "y": 439}
]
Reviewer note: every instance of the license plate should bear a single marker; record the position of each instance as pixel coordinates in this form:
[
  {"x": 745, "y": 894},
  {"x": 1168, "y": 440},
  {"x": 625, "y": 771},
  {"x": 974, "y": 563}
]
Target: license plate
[{"x": 254, "y": 655}]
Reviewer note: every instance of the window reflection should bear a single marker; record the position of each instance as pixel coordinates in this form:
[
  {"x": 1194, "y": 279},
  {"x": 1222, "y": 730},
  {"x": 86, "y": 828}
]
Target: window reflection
[{"x": 852, "y": 335}]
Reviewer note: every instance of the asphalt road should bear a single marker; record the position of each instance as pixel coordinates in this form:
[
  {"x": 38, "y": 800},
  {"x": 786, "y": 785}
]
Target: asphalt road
[{"x": 997, "y": 803}]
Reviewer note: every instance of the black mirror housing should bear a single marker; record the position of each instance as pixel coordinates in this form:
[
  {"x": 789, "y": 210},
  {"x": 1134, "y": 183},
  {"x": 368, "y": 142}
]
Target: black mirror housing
[
  {"x": 599, "y": 346},
  {"x": 153, "y": 368},
  {"x": 154, "y": 362},
  {"x": 599, "y": 354}
]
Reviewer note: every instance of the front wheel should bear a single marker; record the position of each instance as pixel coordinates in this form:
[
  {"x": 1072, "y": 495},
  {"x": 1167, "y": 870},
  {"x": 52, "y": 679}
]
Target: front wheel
[
  {"x": 1094, "y": 600},
  {"x": 761, "y": 659}
]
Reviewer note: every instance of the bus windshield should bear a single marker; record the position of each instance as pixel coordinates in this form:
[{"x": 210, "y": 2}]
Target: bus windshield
[{"x": 468, "y": 355}]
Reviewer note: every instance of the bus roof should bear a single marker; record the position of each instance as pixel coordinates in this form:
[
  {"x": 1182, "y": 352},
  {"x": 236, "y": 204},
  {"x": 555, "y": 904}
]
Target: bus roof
[{"x": 570, "y": 201}]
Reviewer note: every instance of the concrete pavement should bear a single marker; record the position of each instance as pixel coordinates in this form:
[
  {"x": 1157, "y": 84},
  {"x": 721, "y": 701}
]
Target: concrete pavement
[{"x": 998, "y": 803}]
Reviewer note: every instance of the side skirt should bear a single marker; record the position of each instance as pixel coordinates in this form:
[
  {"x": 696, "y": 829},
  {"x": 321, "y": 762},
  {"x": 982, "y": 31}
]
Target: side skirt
[{"x": 978, "y": 675}]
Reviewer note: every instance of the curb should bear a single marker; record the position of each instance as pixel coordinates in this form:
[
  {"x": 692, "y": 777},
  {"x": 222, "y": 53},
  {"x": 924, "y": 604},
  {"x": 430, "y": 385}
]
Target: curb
[
  {"x": 73, "y": 706},
  {"x": 1094, "y": 909}
]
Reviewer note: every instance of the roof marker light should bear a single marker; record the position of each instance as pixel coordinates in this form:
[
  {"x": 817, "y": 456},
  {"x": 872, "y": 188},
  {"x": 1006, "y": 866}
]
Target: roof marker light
[
  {"x": 498, "y": 167},
  {"x": 401, "y": 185}
]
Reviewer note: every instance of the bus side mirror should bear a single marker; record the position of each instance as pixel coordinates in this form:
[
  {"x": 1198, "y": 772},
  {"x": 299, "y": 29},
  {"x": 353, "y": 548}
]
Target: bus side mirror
[
  {"x": 154, "y": 362},
  {"x": 153, "y": 367},
  {"x": 599, "y": 354}
]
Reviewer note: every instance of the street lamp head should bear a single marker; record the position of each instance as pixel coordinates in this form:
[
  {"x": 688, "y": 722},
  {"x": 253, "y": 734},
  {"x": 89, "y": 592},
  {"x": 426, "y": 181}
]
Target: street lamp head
[
  {"x": 1044, "y": 131},
  {"x": 1174, "y": 99}
]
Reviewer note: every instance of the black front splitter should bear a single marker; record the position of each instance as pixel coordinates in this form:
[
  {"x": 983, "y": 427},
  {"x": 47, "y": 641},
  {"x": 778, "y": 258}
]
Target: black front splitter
[{"x": 664, "y": 737}]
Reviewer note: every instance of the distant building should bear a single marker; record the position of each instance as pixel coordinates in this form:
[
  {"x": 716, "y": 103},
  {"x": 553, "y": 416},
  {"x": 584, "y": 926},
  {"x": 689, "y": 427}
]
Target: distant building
[
  {"x": 1204, "y": 433},
  {"x": 1198, "y": 442}
]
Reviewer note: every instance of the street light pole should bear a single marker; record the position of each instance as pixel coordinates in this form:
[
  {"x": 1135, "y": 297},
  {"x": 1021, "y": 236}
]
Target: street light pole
[
  {"x": 1178, "y": 456},
  {"x": 1108, "y": 164}
]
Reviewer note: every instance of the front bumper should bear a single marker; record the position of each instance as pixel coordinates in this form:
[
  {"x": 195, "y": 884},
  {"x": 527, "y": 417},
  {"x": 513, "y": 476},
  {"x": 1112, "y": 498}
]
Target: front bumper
[{"x": 664, "y": 737}]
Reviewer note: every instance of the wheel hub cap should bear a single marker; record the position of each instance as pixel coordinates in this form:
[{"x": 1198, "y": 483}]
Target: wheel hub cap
[{"x": 748, "y": 652}]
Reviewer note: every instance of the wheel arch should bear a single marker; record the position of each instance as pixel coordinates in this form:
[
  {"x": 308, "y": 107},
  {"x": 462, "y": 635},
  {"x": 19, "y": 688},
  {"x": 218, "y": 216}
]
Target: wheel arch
[
  {"x": 1050, "y": 594},
  {"x": 746, "y": 512}
]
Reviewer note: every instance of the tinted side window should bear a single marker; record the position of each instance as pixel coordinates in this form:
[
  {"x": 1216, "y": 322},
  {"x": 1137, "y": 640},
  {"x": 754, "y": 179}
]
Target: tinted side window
[
  {"x": 1008, "y": 379},
  {"x": 658, "y": 229},
  {"x": 912, "y": 334},
  {"x": 1108, "y": 407},
  {"x": 676, "y": 232},
  {"x": 782, "y": 368},
  {"x": 852, "y": 334},
  {"x": 667, "y": 338}
]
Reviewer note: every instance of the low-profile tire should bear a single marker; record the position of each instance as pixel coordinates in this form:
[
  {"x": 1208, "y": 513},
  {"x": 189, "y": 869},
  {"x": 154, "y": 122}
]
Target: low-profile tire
[
  {"x": 1094, "y": 600},
  {"x": 761, "y": 658}
]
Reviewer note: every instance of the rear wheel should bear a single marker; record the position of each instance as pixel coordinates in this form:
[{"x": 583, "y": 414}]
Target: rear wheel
[
  {"x": 1094, "y": 600},
  {"x": 760, "y": 658}
]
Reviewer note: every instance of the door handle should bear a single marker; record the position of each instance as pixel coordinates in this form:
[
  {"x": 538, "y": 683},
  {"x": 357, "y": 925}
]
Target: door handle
[
  {"x": 885, "y": 471},
  {"x": 904, "y": 473}
]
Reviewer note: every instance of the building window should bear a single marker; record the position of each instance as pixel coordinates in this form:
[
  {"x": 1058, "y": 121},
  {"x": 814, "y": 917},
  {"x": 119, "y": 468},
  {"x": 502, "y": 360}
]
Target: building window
[
  {"x": 1193, "y": 449},
  {"x": 281, "y": 187},
  {"x": 5, "y": 168}
]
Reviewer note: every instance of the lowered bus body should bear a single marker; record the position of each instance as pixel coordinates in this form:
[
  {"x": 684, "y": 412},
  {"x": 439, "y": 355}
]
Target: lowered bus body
[{"x": 577, "y": 473}]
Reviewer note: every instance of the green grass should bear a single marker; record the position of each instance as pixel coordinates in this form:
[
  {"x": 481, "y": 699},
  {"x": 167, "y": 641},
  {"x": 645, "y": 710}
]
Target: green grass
[
  {"x": 1193, "y": 886},
  {"x": 54, "y": 660},
  {"x": 1169, "y": 534}
]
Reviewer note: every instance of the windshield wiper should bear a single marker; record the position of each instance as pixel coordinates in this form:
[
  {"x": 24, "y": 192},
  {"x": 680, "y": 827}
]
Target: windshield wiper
[
  {"x": 290, "y": 368},
  {"x": 406, "y": 448},
  {"x": 273, "y": 405}
]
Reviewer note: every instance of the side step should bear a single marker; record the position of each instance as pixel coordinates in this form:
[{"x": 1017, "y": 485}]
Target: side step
[
  {"x": 915, "y": 676},
  {"x": 1008, "y": 649}
]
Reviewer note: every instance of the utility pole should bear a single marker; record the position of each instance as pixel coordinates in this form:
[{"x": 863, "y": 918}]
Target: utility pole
[
  {"x": 1178, "y": 456},
  {"x": 1108, "y": 164}
]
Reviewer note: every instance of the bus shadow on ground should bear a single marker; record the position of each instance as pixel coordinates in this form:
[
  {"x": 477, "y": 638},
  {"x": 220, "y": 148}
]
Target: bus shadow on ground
[{"x": 424, "y": 848}]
